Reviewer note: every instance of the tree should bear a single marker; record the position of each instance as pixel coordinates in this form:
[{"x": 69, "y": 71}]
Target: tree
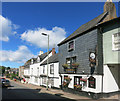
[
  {"x": 2, "y": 68},
  {"x": 8, "y": 68}
]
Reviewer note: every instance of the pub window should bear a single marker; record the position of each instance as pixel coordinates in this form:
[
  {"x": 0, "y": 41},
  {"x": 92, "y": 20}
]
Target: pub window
[
  {"x": 116, "y": 41},
  {"x": 92, "y": 82},
  {"x": 70, "y": 60},
  {"x": 77, "y": 80},
  {"x": 52, "y": 69},
  {"x": 71, "y": 46}
]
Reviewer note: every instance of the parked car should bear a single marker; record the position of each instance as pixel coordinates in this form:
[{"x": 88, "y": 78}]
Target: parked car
[
  {"x": 2, "y": 81},
  {"x": 7, "y": 83}
]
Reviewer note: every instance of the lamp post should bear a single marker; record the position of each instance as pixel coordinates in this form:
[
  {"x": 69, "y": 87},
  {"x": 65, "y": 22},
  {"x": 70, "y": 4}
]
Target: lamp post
[{"x": 47, "y": 58}]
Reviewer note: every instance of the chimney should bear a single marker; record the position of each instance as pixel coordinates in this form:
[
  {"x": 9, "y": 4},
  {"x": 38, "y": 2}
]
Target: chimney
[
  {"x": 109, "y": 7},
  {"x": 41, "y": 52},
  {"x": 53, "y": 51}
]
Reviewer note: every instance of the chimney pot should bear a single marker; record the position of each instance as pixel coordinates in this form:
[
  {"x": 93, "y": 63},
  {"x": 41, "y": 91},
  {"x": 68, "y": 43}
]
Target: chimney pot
[
  {"x": 41, "y": 52},
  {"x": 53, "y": 51}
]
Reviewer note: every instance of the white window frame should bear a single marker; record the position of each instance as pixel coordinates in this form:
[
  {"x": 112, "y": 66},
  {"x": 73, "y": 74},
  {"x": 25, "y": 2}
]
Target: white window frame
[
  {"x": 36, "y": 79},
  {"x": 52, "y": 66},
  {"x": 113, "y": 42},
  {"x": 73, "y": 46},
  {"x": 37, "y": 70},
  {"x": 31, "y": 71},
  {"x": 43, "y": 69}
]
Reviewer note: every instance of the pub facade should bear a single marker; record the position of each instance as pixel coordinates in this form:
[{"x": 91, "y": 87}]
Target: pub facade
[{"x": 83, "y": 57}]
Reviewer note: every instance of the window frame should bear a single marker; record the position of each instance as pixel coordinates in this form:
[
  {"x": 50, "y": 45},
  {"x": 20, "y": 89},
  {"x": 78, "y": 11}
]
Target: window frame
[
  {"x": 113, "y": 41},
  {"x": 43, "y": 69},
  {"x": 71, "y": 49},
  {"x": 71, "y": 60},
  {"x": 52, "y": 69},
  {"x": 37, "y": 70}
]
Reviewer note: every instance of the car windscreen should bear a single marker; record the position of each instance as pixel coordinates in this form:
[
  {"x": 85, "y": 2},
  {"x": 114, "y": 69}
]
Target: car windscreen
[{"x": 7, "y": 81}]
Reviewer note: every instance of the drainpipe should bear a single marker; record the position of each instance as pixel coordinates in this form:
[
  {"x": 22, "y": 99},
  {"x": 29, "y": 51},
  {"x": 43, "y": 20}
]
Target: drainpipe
[{"x": 101, "y": 32}]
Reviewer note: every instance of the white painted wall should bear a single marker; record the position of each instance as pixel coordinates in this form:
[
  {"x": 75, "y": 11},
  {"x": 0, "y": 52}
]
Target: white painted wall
[
  {"x": 55, "y": 76},
  {"x": 27, "y": 71},
  {"x": 98, "y": 88},
  {"x": 87, "y": 89},
  {"x": 35, "y": 71},
  {"x": 109, "y": 82}
]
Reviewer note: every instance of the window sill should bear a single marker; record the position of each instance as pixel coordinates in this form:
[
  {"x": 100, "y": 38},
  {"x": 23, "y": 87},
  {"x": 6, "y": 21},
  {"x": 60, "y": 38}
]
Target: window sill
[{"x": 70, "y": 49}]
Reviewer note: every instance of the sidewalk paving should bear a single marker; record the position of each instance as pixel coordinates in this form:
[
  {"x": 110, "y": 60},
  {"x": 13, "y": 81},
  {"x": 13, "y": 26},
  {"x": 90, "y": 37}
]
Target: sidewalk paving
[{"x": 59, "y": 92}]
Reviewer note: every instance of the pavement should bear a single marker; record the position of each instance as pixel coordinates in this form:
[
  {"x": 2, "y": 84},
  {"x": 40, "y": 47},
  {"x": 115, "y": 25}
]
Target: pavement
[{"x": 61, "y": 93}]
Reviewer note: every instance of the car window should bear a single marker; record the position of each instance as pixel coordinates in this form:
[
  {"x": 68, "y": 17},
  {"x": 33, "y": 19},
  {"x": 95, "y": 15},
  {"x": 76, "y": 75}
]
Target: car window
[
  {"x": 2, "y": 79},
  {"x": 7, "y": 81}
]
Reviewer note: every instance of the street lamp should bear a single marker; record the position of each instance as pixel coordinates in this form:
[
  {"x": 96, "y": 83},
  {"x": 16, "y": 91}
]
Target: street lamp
[{"x": 47, "y": 58}]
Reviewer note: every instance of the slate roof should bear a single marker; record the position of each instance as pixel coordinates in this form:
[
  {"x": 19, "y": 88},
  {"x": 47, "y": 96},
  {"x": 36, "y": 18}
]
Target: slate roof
[
  {"x": 52, "y": 59},
  {"x": 85, "y": 27}
]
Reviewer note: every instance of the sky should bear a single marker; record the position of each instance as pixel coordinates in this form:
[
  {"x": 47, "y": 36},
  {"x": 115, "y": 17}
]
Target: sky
[{"x": 23, "y": 22}]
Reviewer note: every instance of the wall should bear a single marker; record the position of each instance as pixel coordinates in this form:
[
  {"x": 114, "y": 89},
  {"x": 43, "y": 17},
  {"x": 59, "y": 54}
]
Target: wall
[
  {"x": 27, "y": 71},
  {"x": 21, "y": 71},
  {"x": 84, "y": 44},
  {"x": 110, "y": 79},
  {"x": 98, "y": 78},
  {"x": 35, "y": 72},
  {"x": 110, "y": 56},
  {"x": 55, "y": 76}
]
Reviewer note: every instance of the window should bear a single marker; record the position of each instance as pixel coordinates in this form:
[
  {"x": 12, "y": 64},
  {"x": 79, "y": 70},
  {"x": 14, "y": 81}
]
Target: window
[
  {"x": 44, "y": 80},
  {"x": 70, "y": 60},
  {"x": 43, "y": 69},
  {"x": 37, "y": 70},
  {"x": 77, "y": 83},
  {"x": 38, "y": 59},
  {"x": 92, "y": 82},
  {"x": 77, "y": 80},
  {"x": 31, "y": 71},
  {"x": 71, "y": 46},
  {"x": 116, "y": 41},
  {"x": 31, "y": 61},
  {"x": 36, "y": 80},
  {"x": 52, "y": 69}
]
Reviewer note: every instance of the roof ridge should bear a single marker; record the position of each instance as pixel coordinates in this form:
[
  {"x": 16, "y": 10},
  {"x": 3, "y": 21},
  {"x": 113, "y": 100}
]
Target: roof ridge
[{"x": 87, "y": 26}]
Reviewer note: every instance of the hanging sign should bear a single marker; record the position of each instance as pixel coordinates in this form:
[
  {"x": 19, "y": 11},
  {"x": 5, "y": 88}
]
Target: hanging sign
[{"x": 92, "y": 59}]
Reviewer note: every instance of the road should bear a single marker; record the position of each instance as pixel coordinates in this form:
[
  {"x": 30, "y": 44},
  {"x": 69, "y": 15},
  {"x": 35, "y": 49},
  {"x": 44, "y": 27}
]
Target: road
[{"x": 17, "y": 92}]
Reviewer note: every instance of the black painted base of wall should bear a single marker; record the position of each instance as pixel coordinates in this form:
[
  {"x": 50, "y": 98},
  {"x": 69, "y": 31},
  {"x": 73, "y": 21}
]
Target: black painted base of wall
[{"x": 90, "y": 94}]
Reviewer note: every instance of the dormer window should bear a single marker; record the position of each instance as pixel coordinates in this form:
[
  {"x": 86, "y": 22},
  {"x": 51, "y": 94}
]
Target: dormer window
[
  {"x": 71, "y": 46},
  {"x": 31, "y": 61},
  {"x": 38, "y": 59}
]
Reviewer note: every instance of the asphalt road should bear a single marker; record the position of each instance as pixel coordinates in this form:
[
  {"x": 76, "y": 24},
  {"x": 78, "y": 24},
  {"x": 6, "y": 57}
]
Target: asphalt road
[{"x": 18, "y": 92}]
